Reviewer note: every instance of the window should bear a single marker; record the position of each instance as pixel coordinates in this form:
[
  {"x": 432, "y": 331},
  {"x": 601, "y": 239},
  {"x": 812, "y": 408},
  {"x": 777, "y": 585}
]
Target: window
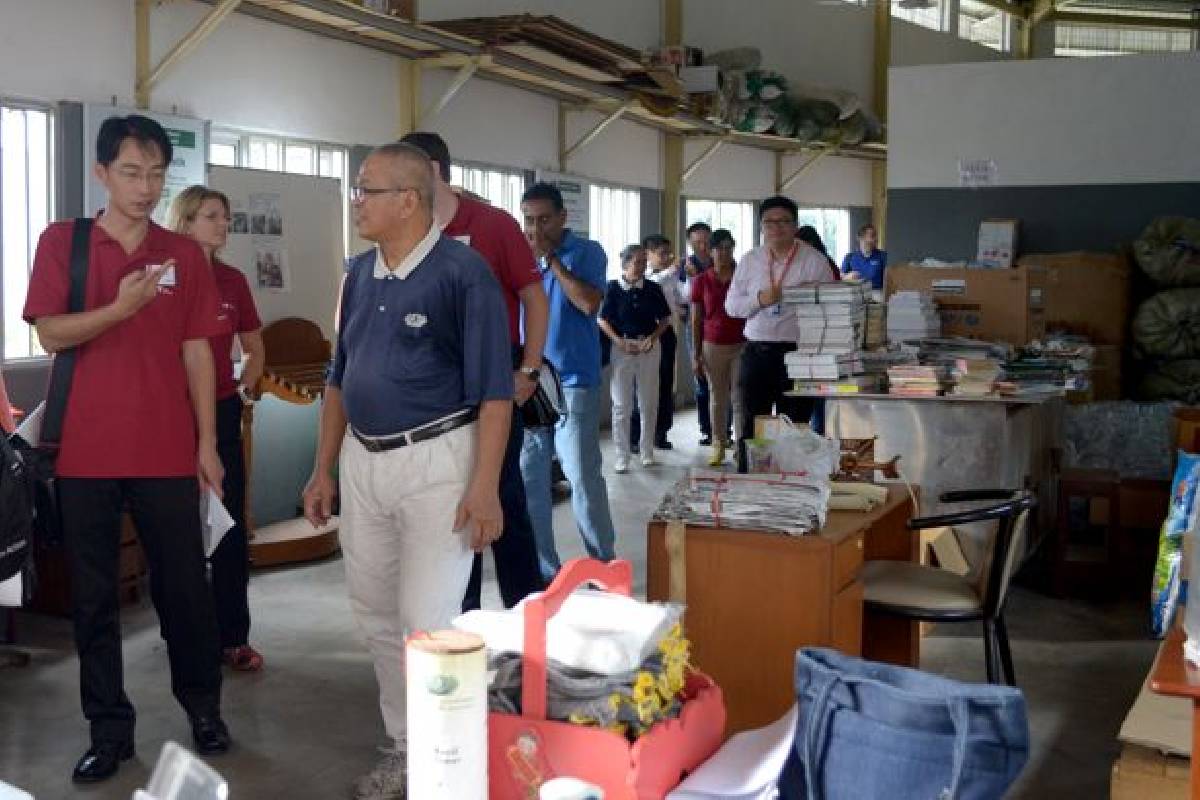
[
  {"x": 834, "y": 226},
  {"x": 930, "y": 14},
  {"x": 230, "y": 148},
  {"x": 980, "y": 23},
  {"x": 26, "y": 208},
  {"x": 615, "y": 221},
  {"x": 502, "y": 188},
  {"x": 736, "y": 217},
  {"x": 1071, "y": 39}
]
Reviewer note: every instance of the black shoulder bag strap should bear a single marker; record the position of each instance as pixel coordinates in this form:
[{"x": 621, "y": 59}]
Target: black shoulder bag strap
[{"x": 63, "y": 370}]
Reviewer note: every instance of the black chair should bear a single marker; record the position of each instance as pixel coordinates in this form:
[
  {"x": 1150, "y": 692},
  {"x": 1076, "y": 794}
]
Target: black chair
[{"x": 930, "y": 594}]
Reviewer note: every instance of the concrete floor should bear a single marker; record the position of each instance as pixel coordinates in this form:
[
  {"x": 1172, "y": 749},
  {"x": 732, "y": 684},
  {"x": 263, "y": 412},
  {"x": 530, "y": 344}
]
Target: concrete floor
[{"x": 307, "y": 725}]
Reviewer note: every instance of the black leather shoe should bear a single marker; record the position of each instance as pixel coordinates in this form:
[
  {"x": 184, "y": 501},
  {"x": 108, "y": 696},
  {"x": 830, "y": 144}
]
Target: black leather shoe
[
  {"x": 101, "y": 761},
  {"x": 706, "y": 441},
  {"x": 635, "y": 448},
  {"x": 211, "y": 735},
  {"x": 664, "y": 444}
]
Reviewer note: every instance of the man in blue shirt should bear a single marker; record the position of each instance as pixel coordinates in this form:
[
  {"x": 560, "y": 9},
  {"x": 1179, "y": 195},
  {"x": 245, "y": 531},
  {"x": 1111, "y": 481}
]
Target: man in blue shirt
[
  {"x": 868, "y": 262},
  {"x": 417, "y": 405},
  {"x": 573, "y": 274}
]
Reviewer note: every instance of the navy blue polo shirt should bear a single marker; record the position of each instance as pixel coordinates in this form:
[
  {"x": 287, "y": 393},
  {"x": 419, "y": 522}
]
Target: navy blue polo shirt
[
  {"x": 415, "y": 347},
  {"x": 869, "y": 267},
  {"x": 634, "y": 310}
]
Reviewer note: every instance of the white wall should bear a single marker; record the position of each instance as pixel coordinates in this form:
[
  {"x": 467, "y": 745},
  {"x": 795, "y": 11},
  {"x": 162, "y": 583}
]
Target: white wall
[
  {"x": 624, "y": 152},
  {"x": 247, "y": 74},
  {"x": 634, "y": 23},
  {"x": 733, "y": 173},
  {"x": 822, "y": 42},
  {"x": 1048, "y": 122},
  {"x": 832, "y": 182}
]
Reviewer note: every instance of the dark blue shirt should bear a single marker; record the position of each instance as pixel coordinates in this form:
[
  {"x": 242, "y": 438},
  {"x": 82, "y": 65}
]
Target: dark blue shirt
[
  {"x": 572, "y": 337},
  {"x": 413, "y": 349},
  {"x": 634, "y": 311},
  {"x": 870, "y": 268}
]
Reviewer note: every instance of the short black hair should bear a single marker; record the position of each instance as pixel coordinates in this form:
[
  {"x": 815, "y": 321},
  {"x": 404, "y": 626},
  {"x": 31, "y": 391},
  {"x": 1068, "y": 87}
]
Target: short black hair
[
  {"x": 719, "y": 237},
  {"x": 143, "y": 130},
  {"x": 434, "y": 146},
  {"x": 544, "y": 191},
  {"x": 779, "y": 201},
  {"x": 629, "y": 251},
  {"x": 870, "y": 226},
  {"x": 655, "y": 241},
  {"x": 699, "y": 226}
]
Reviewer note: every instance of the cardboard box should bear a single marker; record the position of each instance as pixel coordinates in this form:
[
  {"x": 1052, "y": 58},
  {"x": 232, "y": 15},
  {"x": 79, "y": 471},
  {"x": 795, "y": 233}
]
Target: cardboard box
[
  {"x": 1086, "y": 293},
  {"x": 1000, "y": 305}
]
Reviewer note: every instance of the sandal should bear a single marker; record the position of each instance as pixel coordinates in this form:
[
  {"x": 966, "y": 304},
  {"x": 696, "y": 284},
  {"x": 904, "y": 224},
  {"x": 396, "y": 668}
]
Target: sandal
[{"x": 244, "y": 658}]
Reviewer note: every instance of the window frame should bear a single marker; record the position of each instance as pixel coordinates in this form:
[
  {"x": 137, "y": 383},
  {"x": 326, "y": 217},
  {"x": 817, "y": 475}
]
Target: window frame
[
  {"x": 34, "y": 359},
  {"x": 743, "y": 245},
  {"x": 613, "y": 270},
  {"x": 505, "y": 172}
]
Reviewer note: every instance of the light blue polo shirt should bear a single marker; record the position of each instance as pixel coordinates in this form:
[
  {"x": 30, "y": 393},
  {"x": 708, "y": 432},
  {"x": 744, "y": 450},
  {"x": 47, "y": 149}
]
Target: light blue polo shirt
[{"x": 573, "y": 338}]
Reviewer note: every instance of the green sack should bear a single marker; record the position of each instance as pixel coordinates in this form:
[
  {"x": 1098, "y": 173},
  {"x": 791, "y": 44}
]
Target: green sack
[
  {"x": 1172, "y": 380},
  {"x": 1169, "y": 251},
  {"x": 1168, "y": 325}
]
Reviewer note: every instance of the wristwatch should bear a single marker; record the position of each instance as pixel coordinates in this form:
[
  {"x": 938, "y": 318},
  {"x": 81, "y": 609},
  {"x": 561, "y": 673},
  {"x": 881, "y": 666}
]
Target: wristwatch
[{"x": 533, "y": 373}]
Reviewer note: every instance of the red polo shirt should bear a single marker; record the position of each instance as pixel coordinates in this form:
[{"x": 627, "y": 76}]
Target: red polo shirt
[
  {"x": 235, "y": 314},
  {"x": 719, "y": 327},
  {"x": 495, "y": 235},
  {"x": 129, "y": 414}
]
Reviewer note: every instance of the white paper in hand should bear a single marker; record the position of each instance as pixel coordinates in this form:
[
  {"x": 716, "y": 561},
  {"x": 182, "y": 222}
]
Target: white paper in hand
[
  {"x": 30, "y": 428},
  {"x": 215, "y": 521}
]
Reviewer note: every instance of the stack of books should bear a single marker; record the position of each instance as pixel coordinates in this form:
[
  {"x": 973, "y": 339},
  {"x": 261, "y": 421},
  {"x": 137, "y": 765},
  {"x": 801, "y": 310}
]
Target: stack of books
[
  {"x": 829, "y": 373},
  {"x": 975, "y": 377},
  {"x": 832, "y": 322},
  {"x": 875, "y": 335},
  {"x": 912, "y": 316},
  {"x": 915, "y": 381}
]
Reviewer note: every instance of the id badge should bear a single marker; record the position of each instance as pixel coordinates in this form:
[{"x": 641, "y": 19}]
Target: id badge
[{"x": 168, "y": 276}]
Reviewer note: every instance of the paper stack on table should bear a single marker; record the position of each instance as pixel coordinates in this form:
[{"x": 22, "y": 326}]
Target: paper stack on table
[
  {"x": 912, "y": 315},
  {"x": 772, "y": 502},
  {"x": 832, "y": 321},
  {"x": 914, "y": 381}
]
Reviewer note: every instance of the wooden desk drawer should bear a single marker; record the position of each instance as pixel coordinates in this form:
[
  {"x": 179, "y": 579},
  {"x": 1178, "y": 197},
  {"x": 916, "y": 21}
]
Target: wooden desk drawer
[
  {"x": 847, "y": 559},
  {"x": 846, "y": 617}
]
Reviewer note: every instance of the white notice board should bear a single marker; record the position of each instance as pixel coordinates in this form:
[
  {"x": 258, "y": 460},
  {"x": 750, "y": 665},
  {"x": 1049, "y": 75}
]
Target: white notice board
[{"x": 288, "y": 241}]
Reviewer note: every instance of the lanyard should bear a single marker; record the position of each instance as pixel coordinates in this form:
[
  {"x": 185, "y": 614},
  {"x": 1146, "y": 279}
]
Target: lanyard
[{"x": 787, "y": 265}]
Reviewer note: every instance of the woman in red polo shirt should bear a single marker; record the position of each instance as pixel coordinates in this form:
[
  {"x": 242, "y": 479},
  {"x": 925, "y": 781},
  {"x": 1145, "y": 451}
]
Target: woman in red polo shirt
[
  {"x": 204, "y": 215},
  {"x": 723, "y": 340}
]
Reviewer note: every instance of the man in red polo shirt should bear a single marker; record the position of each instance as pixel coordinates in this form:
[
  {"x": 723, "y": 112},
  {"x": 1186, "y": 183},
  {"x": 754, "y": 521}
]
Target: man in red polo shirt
[
  {"x": 138, "y": 434},
  {"x": 496, "y": 236}
]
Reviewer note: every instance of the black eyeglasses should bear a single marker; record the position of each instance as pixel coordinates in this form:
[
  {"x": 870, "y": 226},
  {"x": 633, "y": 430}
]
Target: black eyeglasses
[{"x": 360, "y": 193}]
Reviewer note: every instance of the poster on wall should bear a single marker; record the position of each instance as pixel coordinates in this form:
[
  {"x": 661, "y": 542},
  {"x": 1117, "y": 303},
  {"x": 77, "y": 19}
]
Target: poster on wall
[
  {"x": 976, "y": 172},
  {"x": 575, "y": 193},
  {"x": 189, "y": 140},
  {"x": 270, "y": 265}
]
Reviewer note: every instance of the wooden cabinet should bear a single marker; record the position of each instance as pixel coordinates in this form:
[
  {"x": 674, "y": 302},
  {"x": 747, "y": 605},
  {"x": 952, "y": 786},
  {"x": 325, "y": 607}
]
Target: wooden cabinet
[{"x": 754, "y": 599}]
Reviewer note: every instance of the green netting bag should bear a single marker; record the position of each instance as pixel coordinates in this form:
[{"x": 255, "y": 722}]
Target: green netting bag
[
  {"x": 1172, "y": 380},
  {"x": 1169, "y": 251},
  {"x": 1168, "y": 325}
]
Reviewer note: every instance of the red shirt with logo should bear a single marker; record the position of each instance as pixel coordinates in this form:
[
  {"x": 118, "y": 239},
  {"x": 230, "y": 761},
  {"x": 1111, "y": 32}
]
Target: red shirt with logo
[
  {"x": 129, "y": 414},
  {"x": 235, "y": 314},
  {"x": 496, "y": 236}
]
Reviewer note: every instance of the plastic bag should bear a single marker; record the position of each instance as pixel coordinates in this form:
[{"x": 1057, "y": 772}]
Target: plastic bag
[
  {"x": 1166, "y": 589},
  {"x": 798, "y": 449},
  {"x": 1169, "y": 251}
]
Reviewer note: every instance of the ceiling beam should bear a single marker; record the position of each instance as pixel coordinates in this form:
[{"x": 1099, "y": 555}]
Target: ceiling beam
[
  {"x": 1122, "y": 21},
  {"x": 147, "y": 79},
  {"x": 1008, "y": 7}
]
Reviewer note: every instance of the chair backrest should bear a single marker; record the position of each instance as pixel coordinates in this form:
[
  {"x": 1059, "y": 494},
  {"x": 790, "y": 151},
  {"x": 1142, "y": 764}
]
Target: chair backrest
[{"x": 1008, "y": 552}]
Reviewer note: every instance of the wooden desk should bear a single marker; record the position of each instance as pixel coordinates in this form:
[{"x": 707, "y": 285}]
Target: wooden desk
[
  {"x": 1173, "y": 676},
  {"x": 755, "y": 598}
]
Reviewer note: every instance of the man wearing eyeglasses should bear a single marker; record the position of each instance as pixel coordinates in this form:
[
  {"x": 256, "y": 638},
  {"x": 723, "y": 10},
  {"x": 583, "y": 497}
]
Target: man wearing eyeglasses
[
  {"x": 772, "y": 328},
  {"x": 417, "y": 407}
]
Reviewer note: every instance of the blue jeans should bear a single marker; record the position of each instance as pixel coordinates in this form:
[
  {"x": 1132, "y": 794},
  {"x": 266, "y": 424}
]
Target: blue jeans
[{"x": 576, "y": 438}]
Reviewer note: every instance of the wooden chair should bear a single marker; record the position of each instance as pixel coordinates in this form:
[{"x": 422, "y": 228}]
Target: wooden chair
[{"x": 931, "y": 594}]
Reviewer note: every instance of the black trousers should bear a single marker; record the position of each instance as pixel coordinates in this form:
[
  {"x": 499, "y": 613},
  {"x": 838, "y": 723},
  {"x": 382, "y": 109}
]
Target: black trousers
[
  {"x": 166, "y": 514},
  {"x": 763, "y": 380},
  {"x": 668, "y": 344},
  {"x": 230, "y": 562},
  {"x": 515, "y": 551}
]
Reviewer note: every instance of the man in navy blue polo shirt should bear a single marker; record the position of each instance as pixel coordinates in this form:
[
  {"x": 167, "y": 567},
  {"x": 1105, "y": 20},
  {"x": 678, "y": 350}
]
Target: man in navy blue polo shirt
[
  {"x": 417, "y": 405},
  {"x": 698, "y": 234},
  {"x": 573, "y": 274},
  {"x": 868, "y": 262}
]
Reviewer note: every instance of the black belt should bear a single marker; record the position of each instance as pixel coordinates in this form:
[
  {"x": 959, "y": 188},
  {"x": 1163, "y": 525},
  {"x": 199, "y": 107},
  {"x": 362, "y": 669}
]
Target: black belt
[{"x": 421, "y": 433}]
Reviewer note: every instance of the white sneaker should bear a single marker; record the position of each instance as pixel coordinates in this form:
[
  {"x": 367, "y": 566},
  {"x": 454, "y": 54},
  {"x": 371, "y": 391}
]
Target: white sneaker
[
  {"x": 622, "y": 466},
  {"x": 387, "y": 781},
  {"x": 648, "y": 458}
]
